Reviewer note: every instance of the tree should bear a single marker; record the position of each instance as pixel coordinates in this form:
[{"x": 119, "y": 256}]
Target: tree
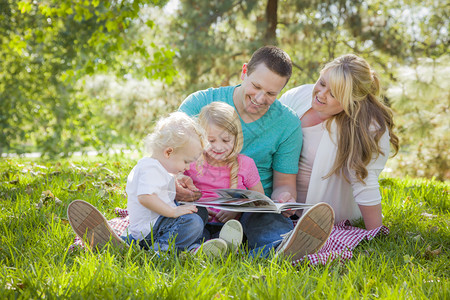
[
  {"x": 214, "y": 38},
  {"x": 47, "y": 46}
]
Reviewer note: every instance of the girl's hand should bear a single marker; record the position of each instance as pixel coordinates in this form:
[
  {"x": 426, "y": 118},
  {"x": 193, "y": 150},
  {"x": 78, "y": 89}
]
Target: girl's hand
[
  {"x": 184, "y": 210},
  {"x": 224, "y": 216},
  {"x": 211, "y": 214}
]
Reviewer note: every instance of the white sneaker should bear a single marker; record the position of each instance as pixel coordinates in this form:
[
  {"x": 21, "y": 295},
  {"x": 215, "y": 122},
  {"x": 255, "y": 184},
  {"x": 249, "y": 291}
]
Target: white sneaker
[
  {"x": 232, "y": 233},
  {"x": 310, "y": 233},
  {"x": 91, "y": 226},
  {"x": 214, "y": 248}
]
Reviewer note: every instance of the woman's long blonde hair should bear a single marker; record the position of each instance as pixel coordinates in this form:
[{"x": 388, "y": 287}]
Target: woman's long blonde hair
[
  {"x": 224, "y": 116},
  {"x": 365, "y": 117}
]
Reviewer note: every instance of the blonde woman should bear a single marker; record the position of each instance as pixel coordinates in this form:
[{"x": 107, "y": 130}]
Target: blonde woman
[{"x": 347, "y": 133}]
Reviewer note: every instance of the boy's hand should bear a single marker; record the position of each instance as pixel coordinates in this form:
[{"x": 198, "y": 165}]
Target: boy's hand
[
  {"x": 184, "y": 210},
  {"x": 186, "y": 190},
  {"x": 153, "y": 203}
]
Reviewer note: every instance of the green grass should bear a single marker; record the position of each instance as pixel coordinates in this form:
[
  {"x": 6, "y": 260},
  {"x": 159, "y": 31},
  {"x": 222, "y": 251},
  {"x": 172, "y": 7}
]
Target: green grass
[{"x": 412, "y": 262}]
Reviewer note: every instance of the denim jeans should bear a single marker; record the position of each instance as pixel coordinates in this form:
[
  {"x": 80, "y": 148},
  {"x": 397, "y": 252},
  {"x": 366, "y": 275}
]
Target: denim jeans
[
  {"x": 185, "y": 231},
  {"x": 264, "y": 230}
]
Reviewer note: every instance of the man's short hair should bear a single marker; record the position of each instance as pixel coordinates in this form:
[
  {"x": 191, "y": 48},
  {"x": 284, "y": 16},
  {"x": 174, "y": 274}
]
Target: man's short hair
[{"x": 275, "y": 59}]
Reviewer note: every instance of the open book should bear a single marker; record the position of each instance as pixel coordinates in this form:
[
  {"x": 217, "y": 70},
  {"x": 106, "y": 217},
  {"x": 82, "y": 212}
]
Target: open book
[{"x": 246, "y": 201}]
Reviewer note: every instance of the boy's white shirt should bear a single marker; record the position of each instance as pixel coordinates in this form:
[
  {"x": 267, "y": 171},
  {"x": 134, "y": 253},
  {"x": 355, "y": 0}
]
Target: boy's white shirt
[
  {"x": 342, "y": 196},
  {"x": 147, "y": 177}
]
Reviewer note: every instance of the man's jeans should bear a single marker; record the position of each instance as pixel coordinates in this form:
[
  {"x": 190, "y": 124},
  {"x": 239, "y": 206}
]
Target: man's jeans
[
  {"x": 263, "y": 230},
  {"x": 185, "y": 232}
]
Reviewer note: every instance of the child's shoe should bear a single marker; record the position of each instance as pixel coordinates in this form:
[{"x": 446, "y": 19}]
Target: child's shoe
[
  {"x": 91, "y": 226},
  {"x": 310, "y": 233},
  {"x": 232, "y": 233},
  {"x": 214, "y": 248}
]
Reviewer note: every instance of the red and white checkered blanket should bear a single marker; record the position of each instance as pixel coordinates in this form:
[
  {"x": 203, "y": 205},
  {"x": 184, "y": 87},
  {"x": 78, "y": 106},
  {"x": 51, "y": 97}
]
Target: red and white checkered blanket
[{"x": 343, "y": 239}]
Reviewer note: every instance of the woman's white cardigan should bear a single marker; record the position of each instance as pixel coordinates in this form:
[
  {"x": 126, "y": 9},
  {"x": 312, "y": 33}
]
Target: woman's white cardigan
[{"x": 344, "y": 197}]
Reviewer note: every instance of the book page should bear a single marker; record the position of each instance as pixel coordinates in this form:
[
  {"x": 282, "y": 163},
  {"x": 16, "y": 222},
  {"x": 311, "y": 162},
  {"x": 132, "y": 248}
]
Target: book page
[
  {"x": 238, "y": 193},
  {"x": 226, "y": 201}
]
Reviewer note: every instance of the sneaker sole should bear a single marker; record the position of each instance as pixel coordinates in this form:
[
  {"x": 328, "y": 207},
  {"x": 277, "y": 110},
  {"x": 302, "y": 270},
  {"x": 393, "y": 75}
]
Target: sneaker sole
[
  {"x": 310, "y": 233},
  {"x": 213, "y": 248},
  {"x": 91, "y": 226},
  {"x": 232, "y": 234}
]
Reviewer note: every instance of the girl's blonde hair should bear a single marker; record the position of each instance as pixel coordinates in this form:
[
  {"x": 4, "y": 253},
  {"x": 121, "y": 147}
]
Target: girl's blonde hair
[
  {"x": 364, "y": 119},
  {"x": 224, "y": 116},
  {"x": 174, "y": 131}
]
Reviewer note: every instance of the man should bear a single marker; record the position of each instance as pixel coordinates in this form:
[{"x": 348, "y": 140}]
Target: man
[{"x": 272, "y": 138}]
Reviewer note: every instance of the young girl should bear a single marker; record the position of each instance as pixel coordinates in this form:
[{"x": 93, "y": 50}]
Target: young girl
[
  {"x": 221, "y": 166},
  {"x": 155, "y": 219}
]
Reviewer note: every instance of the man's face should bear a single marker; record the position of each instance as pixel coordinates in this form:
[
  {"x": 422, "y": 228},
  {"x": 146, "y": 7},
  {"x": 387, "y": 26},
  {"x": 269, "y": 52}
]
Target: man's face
[{"x": 260, "y": 90}]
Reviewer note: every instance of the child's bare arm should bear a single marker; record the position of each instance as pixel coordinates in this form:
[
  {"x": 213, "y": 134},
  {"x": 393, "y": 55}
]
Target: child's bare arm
[
  {"x": 257, "y": 188},
  {"x": 152, "y": 202}
]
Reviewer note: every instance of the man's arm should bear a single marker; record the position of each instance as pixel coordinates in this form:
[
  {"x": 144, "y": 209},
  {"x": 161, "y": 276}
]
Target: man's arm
[
  {"x": 284, "y": 189},
  {"x": 185, "y": 189}
]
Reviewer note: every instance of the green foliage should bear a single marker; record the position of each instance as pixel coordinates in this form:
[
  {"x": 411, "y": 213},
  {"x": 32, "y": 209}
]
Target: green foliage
[
  {"x": 312, "y": 32},
  {"x": 421, "y": 100},
  {"x": 392, "y": 35},
  {"x": 131, "y": 107},
  {"x": 46, "y": 47},
  {"x": 409, "y": 263},
  {"x": 80, "y": 74}
]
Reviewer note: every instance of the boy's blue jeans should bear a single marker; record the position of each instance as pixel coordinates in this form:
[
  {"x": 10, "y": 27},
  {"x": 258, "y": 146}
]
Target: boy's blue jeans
[{"x": 185, "y": 232}]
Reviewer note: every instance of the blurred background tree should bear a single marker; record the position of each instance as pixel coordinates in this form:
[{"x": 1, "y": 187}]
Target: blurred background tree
[
  {"x": 47, "y": 47},
  {"x": 99, "y": 73}
]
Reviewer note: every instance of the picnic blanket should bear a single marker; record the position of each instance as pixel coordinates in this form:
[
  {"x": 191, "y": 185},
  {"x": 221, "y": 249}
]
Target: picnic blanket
[
  {"x": 339, "y": 246},
  {"x": 343, "y": 239}
]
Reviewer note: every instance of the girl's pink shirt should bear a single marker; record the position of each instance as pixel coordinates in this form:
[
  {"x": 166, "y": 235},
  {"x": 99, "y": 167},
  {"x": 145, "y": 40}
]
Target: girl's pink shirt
[{"x": 210, "y": 178}]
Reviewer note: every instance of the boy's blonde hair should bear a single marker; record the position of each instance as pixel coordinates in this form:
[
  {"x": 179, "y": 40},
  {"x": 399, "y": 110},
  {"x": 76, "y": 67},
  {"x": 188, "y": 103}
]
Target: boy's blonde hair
[
  {"x": 174, "y": 131},
  {"x": 224, "y": 116}
]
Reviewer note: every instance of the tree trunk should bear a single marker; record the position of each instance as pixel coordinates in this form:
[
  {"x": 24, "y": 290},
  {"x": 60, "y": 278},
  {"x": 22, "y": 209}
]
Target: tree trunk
[{"x": 272, "y": 21}]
